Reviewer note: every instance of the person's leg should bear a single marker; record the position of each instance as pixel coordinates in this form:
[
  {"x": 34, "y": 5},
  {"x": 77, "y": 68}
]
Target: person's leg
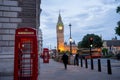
[
  {"x": 77, "y": 62},
  {"x": 65, "y": 66},
  {"x": 74, "y": 62}
]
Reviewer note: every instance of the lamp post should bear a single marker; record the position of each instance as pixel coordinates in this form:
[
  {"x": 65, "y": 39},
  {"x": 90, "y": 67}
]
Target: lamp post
[
  {"x": 91, "y": 44},
  {"x": 70, "y": 39}
]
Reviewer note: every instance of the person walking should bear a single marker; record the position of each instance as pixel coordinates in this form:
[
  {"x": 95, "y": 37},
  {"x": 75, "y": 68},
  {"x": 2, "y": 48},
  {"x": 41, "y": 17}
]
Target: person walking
[
  {"x": 76, "y": 60},
  {"x": 65, "y": 60}
]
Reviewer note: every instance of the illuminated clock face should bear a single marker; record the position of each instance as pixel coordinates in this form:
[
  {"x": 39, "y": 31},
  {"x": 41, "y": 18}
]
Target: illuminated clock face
[{"x": 60, "y": 27}]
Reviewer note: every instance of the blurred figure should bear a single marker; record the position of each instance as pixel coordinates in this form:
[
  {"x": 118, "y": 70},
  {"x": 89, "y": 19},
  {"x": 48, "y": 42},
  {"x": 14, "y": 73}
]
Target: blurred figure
[
  {"x": 65, "y": 60},
  {"x": 76, "y": 60}
]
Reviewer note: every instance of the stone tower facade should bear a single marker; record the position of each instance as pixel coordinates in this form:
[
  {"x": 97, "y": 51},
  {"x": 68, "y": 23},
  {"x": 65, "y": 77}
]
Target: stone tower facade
[{"x": 60, "y": 34}]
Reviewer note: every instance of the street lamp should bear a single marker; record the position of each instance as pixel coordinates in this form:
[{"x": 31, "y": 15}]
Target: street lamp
[
  {"x": 70, "y": 39},
  {"x": 91, "y": 44}
]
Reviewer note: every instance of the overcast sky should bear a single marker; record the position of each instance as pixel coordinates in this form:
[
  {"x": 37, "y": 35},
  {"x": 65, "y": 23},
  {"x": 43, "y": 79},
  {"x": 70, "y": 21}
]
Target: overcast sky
[{"x": 86, "y": 17}]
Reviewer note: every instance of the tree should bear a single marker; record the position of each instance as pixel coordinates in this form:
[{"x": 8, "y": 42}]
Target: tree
[
  {"x": 118, "y": 9},
  {"x": 79, "y": 44},
  {"x": 105, "y": 51},
  {"x": 85, "y": 43},
  {"x": 117, "y": 29}
]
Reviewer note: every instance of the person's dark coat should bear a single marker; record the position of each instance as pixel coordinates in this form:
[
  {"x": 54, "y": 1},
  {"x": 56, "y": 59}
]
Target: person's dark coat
[
  {"x": 65, "y": 58},
  {"x": 76, "y": 59}
]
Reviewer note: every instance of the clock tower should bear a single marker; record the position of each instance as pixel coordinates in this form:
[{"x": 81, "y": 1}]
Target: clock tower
[{"x": 60, "y": 34}]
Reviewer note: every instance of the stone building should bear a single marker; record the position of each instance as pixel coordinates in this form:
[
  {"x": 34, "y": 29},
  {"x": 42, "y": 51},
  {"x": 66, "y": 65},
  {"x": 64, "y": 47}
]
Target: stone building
[
  {"x": 40, "y": 38},
  {"x": 113, "y": 46},
  {"x": 15, "y": 14}
]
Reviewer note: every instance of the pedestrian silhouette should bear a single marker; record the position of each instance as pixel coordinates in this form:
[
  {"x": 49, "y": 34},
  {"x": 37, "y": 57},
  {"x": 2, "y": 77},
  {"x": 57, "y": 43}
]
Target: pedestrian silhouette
[
  {"x": 76, "y": 60},
  {"x": 65, "y": 60}
]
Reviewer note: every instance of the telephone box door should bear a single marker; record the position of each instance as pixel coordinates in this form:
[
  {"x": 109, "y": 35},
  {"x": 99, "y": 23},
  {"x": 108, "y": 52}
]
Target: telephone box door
[{"x": 25, "y": 61}]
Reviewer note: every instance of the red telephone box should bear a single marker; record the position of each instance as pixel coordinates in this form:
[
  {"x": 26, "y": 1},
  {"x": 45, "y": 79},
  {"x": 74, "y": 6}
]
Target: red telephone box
[
  {"x": 46, "y": 55},
  {"x": 26, "y": 54}
]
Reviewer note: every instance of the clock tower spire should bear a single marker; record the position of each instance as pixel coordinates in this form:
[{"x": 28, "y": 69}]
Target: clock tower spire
[{"x": 60, "y": 34}]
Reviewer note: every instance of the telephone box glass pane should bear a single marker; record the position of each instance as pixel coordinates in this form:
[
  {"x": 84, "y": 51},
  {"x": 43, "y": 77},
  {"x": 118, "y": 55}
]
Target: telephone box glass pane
[{"x": 25, "y": 58}]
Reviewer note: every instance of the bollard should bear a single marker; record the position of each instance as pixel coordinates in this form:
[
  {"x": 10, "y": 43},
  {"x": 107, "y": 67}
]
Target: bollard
[
  {"x": 86, "y": 64},
  {"x": 81, "y": 62},
  {"x": 99, "y": 65},
  {"x": 92, "y": 67},
  {"x": 109, "y": 67}
]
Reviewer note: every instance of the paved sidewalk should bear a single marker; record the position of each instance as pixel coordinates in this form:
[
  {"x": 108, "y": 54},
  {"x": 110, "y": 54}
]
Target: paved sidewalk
[{"x": 56, "y": 71}]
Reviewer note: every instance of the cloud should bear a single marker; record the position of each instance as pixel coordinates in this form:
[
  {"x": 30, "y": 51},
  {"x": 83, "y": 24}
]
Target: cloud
[{"x": 86, "y": 16}]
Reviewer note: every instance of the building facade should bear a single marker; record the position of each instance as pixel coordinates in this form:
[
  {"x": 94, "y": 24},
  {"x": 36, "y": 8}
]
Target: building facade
[
  {"x": 40, "y": 43},
  {"x": 16, "y": 14},
  {"x": 60, "y": 34},
  {"x": 113, "y": 46},
  {"x": 61, "y": 45}
]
